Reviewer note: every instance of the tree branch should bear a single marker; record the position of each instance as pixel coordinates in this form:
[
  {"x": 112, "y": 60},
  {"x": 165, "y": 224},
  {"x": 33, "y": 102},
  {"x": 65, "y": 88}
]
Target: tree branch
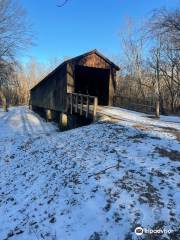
[{"x": 63, "y": 3}]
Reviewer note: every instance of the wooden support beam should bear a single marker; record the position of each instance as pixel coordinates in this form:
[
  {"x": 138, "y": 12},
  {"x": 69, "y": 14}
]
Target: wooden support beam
[
  {"x": 63, "y": 121},
  {"x": 87, "y": 107},
  {"x": 76, "y": 106},
  {"x": 49, "y": 115},
  {"x": 71, "y": 103},
  {"x": 81, "y": 105},
  {"x": 67, "y": 102},
  {"x": 95, "y": 108}
]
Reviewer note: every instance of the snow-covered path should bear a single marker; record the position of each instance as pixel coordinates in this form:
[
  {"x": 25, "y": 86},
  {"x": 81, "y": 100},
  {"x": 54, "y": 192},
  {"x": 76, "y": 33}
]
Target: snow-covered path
[
  {"x": 135, "y": 117},
  {"x": 96, "y": 182},
  {"x": 20, "y": 120}
]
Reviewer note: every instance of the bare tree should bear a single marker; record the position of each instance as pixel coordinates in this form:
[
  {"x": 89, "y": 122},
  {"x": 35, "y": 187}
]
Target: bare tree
[
  {"x": 155, "y": 64},
  {"x": 167, "y": 24},
  {"x": 62, "y": 3},
  {"x": 164, "y": 27},
  {"x": 132, "y": 61},
  {"x": 15, "y": 35},
  {"x": 27, "y": 76},
  {"x": 170, "y": 67}
]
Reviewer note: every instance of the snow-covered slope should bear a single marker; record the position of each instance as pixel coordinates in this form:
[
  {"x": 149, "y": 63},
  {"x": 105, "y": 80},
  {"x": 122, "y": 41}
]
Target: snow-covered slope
[
  {"x": 90, "y": 183},
  {"x": 132, "y": 116}
]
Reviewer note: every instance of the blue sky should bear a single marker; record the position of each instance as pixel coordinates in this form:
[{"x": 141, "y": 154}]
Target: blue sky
[{"x": 83, "y": 25}]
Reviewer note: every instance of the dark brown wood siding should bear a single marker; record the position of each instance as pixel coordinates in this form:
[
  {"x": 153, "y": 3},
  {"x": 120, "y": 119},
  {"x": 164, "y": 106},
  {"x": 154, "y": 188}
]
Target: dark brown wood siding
[
  {"x": 51, "y": 92},
  {"x": 94, "y": 61}
]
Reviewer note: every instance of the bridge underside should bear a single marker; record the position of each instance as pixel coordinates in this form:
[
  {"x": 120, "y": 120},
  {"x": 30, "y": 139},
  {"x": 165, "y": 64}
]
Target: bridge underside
[{"x": 94, "y": 82}]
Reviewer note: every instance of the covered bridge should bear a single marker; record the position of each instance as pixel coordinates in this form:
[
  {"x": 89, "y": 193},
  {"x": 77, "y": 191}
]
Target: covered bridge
[{"x": 76, "y": 87}]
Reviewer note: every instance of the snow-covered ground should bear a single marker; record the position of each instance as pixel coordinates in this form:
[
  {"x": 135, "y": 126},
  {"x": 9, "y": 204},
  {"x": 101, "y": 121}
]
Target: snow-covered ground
[
  {"x": 132, "y": 116},
  {"x": 96, "y": 182}
]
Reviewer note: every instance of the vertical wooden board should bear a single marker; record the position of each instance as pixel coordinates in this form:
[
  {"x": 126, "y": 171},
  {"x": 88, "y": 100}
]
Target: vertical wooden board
[
  {"x": 95, "y": 108},
  {"x": 111, "y": 88},
  {"x": 93, "y": 60},
  {"x": 87, "y": 107},
  {"x": 51, "y": 94},
  {"x": 70, "y": 78}
]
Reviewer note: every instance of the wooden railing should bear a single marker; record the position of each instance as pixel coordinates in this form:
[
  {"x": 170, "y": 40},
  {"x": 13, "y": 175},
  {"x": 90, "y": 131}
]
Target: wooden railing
[
  {"x": 146, "y": 106},
  {"x": 82, "y": 104}
]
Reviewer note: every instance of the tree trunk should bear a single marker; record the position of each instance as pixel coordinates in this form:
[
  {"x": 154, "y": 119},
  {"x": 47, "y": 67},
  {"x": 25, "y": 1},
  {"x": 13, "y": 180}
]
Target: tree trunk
[
  {"x": 161, "y": 102},
  {"x": 4, "y": 101},
  {"x": 172, "y": 105},
  {"x": 157, "y": 108}
]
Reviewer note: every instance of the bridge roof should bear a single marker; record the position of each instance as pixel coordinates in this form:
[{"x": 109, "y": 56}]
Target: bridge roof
[{"x": 76, "y": 59}]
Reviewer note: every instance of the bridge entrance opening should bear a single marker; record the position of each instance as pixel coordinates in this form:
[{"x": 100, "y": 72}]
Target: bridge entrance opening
[{"x": 94, "y": 82}]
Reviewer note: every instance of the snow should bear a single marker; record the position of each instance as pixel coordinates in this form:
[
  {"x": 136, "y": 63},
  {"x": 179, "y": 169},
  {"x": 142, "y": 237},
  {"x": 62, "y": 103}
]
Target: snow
[
  {"x": 95, "y": 182},
  {"x": 174, "y": 119},
  {"x": 123, "y": 114}
]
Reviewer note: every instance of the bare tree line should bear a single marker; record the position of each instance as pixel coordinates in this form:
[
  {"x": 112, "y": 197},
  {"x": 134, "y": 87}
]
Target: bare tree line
[
  {"x": 151, "y": 61},
  {"x": 28, "y": 75},
  {"x": 15, "y": 36},
  {"x": 16, "y": 79}
]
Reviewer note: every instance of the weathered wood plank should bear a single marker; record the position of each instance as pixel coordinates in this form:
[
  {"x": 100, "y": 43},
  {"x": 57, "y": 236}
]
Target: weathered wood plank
[
  {"x": 95, "y": 108},
  {"x": 71, "y": 103},
  {"x": 87, "y": 107},
  {"x": 76, "y": 104},
  {"x": 81, "y": 107}
]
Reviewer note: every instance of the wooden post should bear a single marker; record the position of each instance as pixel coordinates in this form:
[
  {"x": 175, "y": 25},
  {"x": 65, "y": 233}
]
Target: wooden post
[
  {"x": 71, "y": 102},
  {"x": 76, "y": 107},
  {"x": 95, "y": 108},
  {"x": 63, "y": 121},
  {"x": 48, "y": 115},
  {"x": 81, "y": 107},
  {"x": 67, "y": 102},
  {"x": 87, "y": 107}
]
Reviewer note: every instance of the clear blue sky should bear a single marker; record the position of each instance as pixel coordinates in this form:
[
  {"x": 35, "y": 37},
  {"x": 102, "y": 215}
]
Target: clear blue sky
[{"x": 82, "y": 25}]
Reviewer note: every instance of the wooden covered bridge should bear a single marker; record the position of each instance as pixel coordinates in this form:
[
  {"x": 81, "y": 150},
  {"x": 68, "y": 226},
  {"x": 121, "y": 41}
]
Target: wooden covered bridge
[{"x": 72, "y": 92}]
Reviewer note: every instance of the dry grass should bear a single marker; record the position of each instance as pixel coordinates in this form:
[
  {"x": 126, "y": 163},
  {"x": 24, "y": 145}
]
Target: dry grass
[
  {"x": 142, "y": 127},
  {"x": 177, "y": 134},
  {"x": 171, "y": 154}
]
